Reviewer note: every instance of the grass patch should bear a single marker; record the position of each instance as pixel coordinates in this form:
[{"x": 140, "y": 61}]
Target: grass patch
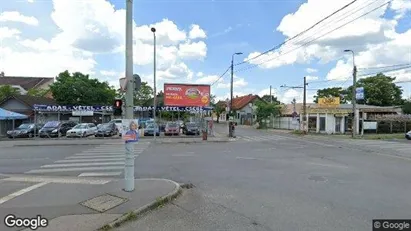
[{"x": 384, "y": 136}]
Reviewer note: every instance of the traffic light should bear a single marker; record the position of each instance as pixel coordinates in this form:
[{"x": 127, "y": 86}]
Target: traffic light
[{"x": 118, "y": 107}]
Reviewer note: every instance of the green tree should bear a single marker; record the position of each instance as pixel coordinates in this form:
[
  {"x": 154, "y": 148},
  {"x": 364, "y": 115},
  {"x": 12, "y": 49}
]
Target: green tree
[
  {"x": 331, "y": 92},
  {"x": 37, "y": 92},
  {"x": 80, "y": 89},
  {"x": 406, "y": 108},
  {"x": 264, "y": 111},
  {"x": 144, "y": 96},
  {"x": 7, "y": 90},
  {"x": 268, "y": 99},
  {"x": 379, "y": 90}
]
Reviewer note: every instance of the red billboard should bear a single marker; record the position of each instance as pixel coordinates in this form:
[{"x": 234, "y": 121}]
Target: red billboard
[{"x": 189, "y": 95}]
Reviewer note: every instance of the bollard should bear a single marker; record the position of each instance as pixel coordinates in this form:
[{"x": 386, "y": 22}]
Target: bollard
[{"x": 129, "y": 167}]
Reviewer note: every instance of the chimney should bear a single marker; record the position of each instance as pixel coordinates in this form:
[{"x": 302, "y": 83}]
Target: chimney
[{"x": 236, "y": 96}]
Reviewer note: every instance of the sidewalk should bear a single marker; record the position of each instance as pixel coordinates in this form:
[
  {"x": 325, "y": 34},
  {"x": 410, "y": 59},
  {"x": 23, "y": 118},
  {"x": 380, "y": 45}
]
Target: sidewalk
[{"x": 80, "y": 204}]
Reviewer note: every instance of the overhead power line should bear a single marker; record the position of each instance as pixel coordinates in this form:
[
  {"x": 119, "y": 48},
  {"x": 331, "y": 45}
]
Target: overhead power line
[
  {"x": 299, "y": 34},
  {"x": 221, "y": 76},
  {"x": 339, "y": 27},
  {"x": 382, "y": 67}
]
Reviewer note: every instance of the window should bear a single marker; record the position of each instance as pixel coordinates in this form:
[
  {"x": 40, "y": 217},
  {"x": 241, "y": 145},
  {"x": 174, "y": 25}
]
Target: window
[{"x": 322, "y": 123}]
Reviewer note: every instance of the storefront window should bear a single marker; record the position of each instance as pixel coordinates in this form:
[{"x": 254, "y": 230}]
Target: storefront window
[{"x": 322, "y": 123}]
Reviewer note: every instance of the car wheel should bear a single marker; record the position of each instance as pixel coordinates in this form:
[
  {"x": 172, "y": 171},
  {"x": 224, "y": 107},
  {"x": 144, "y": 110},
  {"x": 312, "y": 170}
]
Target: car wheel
[
  {"x": 84, "y": 134},
  {"x": 408, "y": 138},
  {"x": 30, "y": 135}
]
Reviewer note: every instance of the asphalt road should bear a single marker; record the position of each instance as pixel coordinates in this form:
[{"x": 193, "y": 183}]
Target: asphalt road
[
  {"x": 17, "y": 160},
  {"x": 292, "y": 184},
  {"x": 279, "y": 182}
]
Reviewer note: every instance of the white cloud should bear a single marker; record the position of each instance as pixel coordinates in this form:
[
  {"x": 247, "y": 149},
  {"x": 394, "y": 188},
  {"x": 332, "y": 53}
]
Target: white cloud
[
  {"x": 368, "y": 35},
  {"x": 110, "y": 73},
  {"x": 200, "y": 74},
  {"x": 237, "y": 82},
  {"x": 6, "y": 32},
  {"x": 311, "y": 70},
  {"x": 14, "y": 16},
  {"x": 192, "y": 50},
  {"x": 97, "y": 28},
  {"x": 401, "y": 7},
  {"x": 30, "y": 1},
  {"x": 196, "y": 32},
  {"x": 310, "y": 78},
  {"x": 210, "y": 79},
  {"x": 396, "y": 51}
]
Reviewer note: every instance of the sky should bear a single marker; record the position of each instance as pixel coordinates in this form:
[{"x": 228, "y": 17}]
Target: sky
[{"x": 196, "y": 40}]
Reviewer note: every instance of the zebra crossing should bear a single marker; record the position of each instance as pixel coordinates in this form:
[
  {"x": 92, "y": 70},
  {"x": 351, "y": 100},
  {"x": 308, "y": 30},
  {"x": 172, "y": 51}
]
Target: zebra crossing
[
  {"x": 261, "y": 138},
  {"x": 105, "y": 160}
]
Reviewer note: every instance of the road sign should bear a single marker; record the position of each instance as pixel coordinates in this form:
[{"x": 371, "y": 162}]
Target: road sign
[
  {"x": 359, "y": 93},
  {"x": 137, "y": 82}
]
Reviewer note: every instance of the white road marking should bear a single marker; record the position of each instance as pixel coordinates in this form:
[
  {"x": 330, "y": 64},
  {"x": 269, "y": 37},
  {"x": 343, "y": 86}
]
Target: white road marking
[
  {"x": 61, "y": 180},
  {"x": 97, "y": 174},
  {"x": 100, "y": 153},
  {"x": 182, "y": 155},
  {"x": 328, "y": 165},
  {"x": 89, "y": 160},
  {"x": 245, "y": 158},
  {"x": 74, "y": 169},
  {"x": 97, "y": 156},
  {"x": 82, "y": 164},
  {"x": 21, "y": 192}
]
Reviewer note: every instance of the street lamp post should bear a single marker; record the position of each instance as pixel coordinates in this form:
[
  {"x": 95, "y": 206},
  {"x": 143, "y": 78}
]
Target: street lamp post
[
  {"x": 155, "y": 87},
  {"x": 354, "y": 98},
  {"x": 129, "y": 104},
  {"x": 230, "y": 130}
]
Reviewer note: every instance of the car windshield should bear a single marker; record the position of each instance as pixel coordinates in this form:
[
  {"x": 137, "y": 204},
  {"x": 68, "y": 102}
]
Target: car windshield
[
  {"x": 80, "y": 126},
  {"x": 172, "y": 125},
  {"x": 25, "y": 126},
  {"x": 105, "y": 126},
  {"x": 52, "y": 124},
  {"x": 191, "y": 125}
]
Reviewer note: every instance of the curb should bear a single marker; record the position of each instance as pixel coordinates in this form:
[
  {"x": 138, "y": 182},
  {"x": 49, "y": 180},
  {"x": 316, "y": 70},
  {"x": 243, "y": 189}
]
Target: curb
[
  {"x": 142, "y": 210},
  {"x": 192, "y": 142}
]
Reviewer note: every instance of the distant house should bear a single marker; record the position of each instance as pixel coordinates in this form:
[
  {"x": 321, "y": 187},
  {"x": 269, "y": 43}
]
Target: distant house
[
  {"x": 24, "y": 84},
  {"x": 24, "y": 104},
  {"x": 244, "y": 107}
]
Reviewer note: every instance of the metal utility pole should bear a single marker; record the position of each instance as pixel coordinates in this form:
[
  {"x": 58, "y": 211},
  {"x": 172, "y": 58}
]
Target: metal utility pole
[
  {"x": 271, "y": 97},
  {"x": 305, "y": 130},
  {"x": 155, "y": 86},
  {"x": 230, "y": 130},
  {"x": 129, "y": 99},
  {"x": 305, "y": 106},
  {"x": 354, "y": 97}
]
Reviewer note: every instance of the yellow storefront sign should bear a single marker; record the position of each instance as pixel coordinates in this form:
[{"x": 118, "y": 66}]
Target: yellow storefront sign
[{"x": 329, "y": 102}]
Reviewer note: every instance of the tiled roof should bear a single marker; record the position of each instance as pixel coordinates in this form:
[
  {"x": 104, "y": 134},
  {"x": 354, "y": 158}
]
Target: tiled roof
[
  {"x": 31, "y": 100},
  {"x": 242, "y": 101},
  {"x": 289, "y": 108},
  {"x": 25, "y": 82}
]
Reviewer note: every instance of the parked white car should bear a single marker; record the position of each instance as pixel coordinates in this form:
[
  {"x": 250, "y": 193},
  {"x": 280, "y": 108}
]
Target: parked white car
[
  {"x": 119, "y": 125},
  {"x": 82, "y": 130}
]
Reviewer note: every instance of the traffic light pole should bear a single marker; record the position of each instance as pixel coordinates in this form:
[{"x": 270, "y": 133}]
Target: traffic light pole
[{"x": 129, "y": 99}]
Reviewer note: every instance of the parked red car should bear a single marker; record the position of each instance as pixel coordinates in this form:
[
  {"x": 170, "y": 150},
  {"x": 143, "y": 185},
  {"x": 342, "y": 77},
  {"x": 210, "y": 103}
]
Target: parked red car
[{"x": 171, "y": 129}]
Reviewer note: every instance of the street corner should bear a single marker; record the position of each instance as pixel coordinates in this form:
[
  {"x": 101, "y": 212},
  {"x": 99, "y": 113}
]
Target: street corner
[
  {"x": 148, "y": 195},
  {"x": 86, "y": 204}
]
